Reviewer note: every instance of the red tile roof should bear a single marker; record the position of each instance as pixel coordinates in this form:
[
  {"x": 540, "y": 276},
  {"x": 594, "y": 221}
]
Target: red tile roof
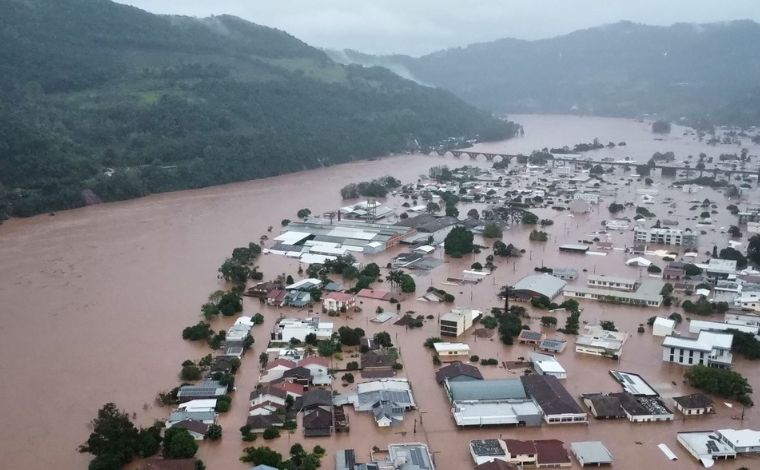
[
  {"x": 281, "y": 362},
  {"x": 339, "y": 296},
  {"x": 551, "y": 451}
]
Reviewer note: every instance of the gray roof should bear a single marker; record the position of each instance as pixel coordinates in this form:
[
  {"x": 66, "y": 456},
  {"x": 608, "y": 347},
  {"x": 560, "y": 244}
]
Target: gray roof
[
  {"x": 367, "y": 400},
  {"x": 177, "y": 416},
  {"x": 543, "y": 284},
  {"x": 591, "y": 452},
  {"x": 494, "y": 389},
  {"x": 209, "y": 388},
  {"x": 387, "y": 409}
]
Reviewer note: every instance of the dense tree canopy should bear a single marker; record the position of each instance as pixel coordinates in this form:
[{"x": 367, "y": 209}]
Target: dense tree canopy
[
  {"x": 458, "y": 242},
  {"x": 722, "y": 382},
  {"x": 101, "y": 101}
]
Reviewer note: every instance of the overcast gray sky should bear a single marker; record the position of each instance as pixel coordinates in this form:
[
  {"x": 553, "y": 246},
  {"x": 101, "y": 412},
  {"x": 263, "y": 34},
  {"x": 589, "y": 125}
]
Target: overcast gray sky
[{"x": 420, "y": 26}]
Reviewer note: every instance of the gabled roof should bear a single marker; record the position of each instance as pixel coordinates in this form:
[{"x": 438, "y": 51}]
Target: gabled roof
[
  {"x": 551, "y": 451},
  {"x": 322, "y": 361},
  {"x": 695, "y": 400},
  {"x": 193, "y": 426},
  {"x": 550, "y": 394},
  {"x": 377, "y": 359},
  {"x": 457, "y": 369},
  {"x": 317, "y": 397},
  {"x": 265, "y": 390},
  {"x": 515, "y": 446},
  {"x": 605, "y": 406},
  {"x": 291, "y": 388},
  {"x": 281, "y": 362},
  {"x": 496, "y": 465},
  {"x": 264, "y": 421},
  {"x": 297, "y": 373},
  {"x": 339, "y": 296},
  {"x": 317, "y": 418}
]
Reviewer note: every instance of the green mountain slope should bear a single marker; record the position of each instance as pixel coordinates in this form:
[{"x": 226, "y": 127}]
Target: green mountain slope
[
  {"x": 100, "y": 96},
  {"x": 624, "y": 69}
]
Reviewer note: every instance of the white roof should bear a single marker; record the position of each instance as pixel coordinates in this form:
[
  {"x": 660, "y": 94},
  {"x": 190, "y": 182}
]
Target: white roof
[
  {"x": 451, "y": 347},
  {"x": 638, "y": 261},
  {"x": 544, "y": 284},
  {"x": 706, "y": 341},
  {"x": 425, "y": 249},
  {"x": 347, "y": 232},
  {"x": 198, "y": 405},
  {"x": 741, "y": 437},
  {"x": 611, "y": 279},
  {"x": 313, "y": 258},
  {"x": 591, "y": 452},
  {"x": 302, "y": 282},
  {"x": 666, "y": 322},
  {"x": 291, "y": 238},
  {"x": 547, "y": 363},
  {"x": 695, "y": 326}
]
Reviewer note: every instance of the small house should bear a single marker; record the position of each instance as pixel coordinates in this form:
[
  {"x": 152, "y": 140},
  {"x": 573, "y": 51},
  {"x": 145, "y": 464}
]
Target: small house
[
  {"x": 530, "y": 337},
  {"x": 448, "y": 352},
  {"x": 457, "y": 372},
  {"x": 338, "y": 302},
  {"x": 694, "y": 404},
  {"x": 663, "y": 326}
]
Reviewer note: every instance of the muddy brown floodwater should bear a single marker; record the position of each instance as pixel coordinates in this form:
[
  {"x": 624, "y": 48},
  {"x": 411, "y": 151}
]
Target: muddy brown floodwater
[{"x": 93, "y": 301}]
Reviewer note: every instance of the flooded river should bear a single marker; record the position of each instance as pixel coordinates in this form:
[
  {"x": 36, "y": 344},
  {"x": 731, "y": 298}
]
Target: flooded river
[{"x": 94, "y": 300}]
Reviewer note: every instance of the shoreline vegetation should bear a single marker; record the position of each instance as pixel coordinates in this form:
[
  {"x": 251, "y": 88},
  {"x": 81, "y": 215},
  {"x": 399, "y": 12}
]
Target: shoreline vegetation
[{"x": 191, "y": 103}]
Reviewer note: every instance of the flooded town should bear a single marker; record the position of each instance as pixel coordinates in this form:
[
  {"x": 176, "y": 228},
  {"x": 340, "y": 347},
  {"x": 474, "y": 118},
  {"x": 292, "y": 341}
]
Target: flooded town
[
  {"x": 566, "y": 298},
  {"x": 379, "y": 235}
]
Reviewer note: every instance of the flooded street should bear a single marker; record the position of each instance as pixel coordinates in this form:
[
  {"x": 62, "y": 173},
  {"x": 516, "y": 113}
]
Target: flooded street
[{"x": 93, "y": 302}]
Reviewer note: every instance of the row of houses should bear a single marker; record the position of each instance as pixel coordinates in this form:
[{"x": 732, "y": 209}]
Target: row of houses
[{"x": 198, "y": 402}]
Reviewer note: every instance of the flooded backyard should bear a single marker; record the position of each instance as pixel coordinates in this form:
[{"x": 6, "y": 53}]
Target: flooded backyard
[{"x": 93, "y": 302}]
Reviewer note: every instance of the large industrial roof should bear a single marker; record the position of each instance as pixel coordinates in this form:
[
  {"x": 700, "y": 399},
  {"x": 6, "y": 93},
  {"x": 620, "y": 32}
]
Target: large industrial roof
[
  {"x": 543, "y": 284},
  {"x": 495, "y": 389}
]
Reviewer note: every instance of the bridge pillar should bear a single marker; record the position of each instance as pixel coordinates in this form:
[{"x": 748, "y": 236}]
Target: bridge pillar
[{"x": 473, "y": 156}]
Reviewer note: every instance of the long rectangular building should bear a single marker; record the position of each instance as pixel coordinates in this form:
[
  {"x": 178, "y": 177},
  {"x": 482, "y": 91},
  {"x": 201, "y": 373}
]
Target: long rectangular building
[
  {"x": 665, "y": 236},
  {"x": 648, "y": 294}
]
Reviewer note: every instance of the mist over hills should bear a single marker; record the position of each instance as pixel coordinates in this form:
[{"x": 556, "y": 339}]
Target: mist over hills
[
  {"x": 709, "y": 73},
  {"x": 102, "y": 101}
]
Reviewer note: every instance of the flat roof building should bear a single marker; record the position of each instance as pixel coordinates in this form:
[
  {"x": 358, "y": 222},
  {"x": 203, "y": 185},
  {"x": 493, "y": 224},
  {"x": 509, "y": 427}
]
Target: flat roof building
[
  {"x": 709, "y": 348},
  {"x": 487, "y": 450},
  {"x": 448, "y": 352},
  {"x": 665, "y": 236},
  {"x": 591, "y": 453},
  {"x": 597, "y": 341},
  {"x": 705, "y": 446},
  {"x": 603, "y": 281},
  {"x": 457, "y": 321},
  {"x": 648, "y": 294},
  {"x": 544, "y": 364}
]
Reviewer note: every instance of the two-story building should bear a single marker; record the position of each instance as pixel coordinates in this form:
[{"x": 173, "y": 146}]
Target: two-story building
[{"x": 710, "y": 348}]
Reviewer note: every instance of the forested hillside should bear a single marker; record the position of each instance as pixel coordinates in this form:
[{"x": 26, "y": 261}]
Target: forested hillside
[
  {"x": 709, "y": 74},
  {"x": 106, "y": 101}
]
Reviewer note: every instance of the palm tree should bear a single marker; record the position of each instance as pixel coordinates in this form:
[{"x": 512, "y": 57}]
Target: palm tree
[{"x": 394, "y": 277}]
